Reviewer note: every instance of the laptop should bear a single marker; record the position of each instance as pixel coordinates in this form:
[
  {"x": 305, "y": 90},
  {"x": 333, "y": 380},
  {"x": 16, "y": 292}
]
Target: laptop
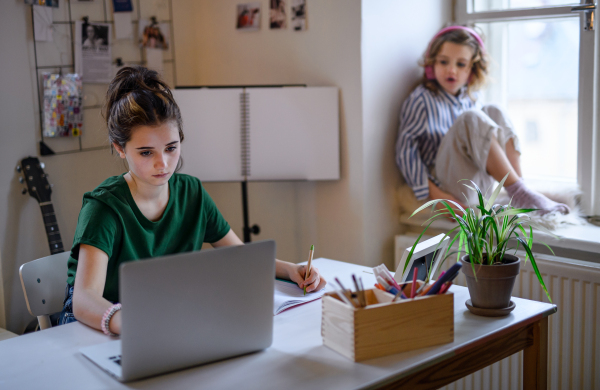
[{"x": 191, "y": 308}]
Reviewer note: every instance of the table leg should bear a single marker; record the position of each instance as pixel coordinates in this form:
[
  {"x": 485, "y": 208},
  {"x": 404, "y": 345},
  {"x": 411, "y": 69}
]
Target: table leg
[{"x": 535, "y": 358}]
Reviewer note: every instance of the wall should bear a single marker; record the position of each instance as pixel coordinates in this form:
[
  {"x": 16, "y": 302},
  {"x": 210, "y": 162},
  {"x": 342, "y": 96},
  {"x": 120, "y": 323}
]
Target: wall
[
  {"x": 22, "y": 235},
  {"x": 394, "y": 36},
  {"x": 359, "y": 46},
  {"x": 295, "y": 214}
]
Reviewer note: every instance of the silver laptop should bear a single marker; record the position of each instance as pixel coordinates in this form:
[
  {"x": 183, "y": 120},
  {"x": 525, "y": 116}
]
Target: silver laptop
[{"x": 191, "y": 308}]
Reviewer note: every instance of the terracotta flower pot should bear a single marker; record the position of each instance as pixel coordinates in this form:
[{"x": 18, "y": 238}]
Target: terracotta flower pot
[{"x": 494, "y": 284}]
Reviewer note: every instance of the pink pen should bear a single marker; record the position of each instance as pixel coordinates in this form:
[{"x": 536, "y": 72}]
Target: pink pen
[
  {"x": 445, "y": 288},
  {"x": 413, "y": 289}
]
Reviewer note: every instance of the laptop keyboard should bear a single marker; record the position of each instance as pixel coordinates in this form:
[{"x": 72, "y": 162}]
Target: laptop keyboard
[{"x": 116, "y": 359}]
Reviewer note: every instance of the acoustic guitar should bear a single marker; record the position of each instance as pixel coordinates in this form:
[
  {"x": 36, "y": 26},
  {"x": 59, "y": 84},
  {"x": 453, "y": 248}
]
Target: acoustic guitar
[{"x": 38, "y": 187}]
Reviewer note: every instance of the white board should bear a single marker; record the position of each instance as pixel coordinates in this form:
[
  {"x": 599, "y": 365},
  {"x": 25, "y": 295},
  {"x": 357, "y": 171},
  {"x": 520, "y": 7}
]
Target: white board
[
  {"x": 294, "y": 133},
  {"x": 211, "y": 148}
]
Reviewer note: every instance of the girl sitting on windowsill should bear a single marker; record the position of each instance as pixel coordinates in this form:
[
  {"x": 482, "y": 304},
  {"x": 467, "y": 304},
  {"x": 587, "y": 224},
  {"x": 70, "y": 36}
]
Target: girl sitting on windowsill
[{"x": 446, "y": 135}]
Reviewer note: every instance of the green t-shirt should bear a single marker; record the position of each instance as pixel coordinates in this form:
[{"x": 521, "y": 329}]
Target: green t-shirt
[{"x": 111, "y": 221}]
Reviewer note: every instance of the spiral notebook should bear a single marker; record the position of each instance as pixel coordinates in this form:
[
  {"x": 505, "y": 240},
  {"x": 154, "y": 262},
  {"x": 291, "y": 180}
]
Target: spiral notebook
[
  {"x": 260, "y": 134},
  {"x": 288, "y": 295}
]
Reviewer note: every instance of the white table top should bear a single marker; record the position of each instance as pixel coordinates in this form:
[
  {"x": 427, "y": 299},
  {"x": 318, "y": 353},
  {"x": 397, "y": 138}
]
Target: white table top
[{"x": 296, "y": 360}]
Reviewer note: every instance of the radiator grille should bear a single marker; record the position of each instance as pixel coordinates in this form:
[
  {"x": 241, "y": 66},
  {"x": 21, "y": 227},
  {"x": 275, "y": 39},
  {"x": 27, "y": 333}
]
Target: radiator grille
[{"x": 573, "y": 332}]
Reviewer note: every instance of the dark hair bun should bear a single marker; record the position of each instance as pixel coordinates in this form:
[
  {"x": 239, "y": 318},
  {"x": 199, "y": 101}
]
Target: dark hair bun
[{"x": 137, "y": 96}]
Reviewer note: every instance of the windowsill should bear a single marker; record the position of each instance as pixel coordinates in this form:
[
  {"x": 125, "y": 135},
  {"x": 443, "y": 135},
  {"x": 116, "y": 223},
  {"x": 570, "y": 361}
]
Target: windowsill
[{"x": 580, "y": 242}]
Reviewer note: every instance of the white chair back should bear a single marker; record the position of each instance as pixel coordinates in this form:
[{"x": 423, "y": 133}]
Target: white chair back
[{"x": 44, "y": 282}]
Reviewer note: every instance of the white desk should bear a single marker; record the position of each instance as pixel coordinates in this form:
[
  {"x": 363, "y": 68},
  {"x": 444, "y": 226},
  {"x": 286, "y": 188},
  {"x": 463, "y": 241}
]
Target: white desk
[{"x": 297, "y": 359}]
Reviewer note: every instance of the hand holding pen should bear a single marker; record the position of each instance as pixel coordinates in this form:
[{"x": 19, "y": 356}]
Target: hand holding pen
[
  {"x": 307, "y": 276},
  {"x": 307, "y": 273}
]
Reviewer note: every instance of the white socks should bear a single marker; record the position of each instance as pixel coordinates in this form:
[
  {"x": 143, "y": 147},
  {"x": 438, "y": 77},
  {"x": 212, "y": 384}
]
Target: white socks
[{"x": 524, "y": 197}]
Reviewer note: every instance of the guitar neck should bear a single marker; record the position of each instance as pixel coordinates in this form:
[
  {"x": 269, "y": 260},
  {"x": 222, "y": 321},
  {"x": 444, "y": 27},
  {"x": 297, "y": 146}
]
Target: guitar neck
[{"x": 54, "y": 240}]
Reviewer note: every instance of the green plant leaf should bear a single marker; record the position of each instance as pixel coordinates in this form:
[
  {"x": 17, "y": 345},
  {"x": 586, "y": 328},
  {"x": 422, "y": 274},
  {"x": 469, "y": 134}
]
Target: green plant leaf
[
  {"x": 492, "y": 198},
  {"x": 535, "y": 267}
]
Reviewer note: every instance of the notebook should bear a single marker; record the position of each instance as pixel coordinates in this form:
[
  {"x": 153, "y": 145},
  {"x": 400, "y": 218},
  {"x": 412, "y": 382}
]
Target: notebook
[{"x": 288, "y": 295}]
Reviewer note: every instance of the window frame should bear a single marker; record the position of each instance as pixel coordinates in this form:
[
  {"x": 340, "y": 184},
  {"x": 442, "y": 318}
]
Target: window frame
[{"x": 588, "y": 144}]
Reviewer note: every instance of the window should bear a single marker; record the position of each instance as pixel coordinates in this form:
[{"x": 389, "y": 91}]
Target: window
[{"x": 542, "y": 72}]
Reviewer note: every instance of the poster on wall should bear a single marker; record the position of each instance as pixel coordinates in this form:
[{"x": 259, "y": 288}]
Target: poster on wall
[
  {"x": 248, "y": 16},
  {"x": 63, "y": 107},
  {"x": 93, "y": 52},
  {"x": 299, "y": 15},
  {"x": 277, "y": 17}
]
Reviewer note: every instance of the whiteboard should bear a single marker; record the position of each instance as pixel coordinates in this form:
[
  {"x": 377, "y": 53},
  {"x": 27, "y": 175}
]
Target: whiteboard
[
  {"x": 293, "y": 133},
  {"x": 211, "y": 148}
]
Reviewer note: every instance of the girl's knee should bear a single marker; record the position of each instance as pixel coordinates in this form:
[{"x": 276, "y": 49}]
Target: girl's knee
[
  {"x": 496, "y": 113},
  {"x": 471, "y": 120},
  {"x": 471, "y": 115}
]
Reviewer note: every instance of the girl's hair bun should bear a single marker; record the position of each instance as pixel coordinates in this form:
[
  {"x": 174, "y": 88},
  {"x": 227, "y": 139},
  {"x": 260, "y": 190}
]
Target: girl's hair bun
[{"x": 137, "y": 96}]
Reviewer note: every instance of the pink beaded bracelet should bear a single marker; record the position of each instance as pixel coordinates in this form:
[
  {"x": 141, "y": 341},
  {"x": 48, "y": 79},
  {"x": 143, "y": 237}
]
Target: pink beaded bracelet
[{"x": 107, "y": 317}]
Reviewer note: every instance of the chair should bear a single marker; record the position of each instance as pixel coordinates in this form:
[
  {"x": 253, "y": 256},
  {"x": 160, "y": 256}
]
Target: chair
[{"x": 43, "y": 282}]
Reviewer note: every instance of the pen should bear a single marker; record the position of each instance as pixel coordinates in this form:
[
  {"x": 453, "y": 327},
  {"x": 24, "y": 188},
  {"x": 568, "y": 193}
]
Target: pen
[
  {"x": 424, "y": 289},
  {"x": 359, "y": 296},
  {"x": 346, "y": 292},
  {"x": 383, "y": 283},
  {"x": 413, "y": 288},
  {"x": 445, "y": 288},
  {"x": 390, "y": 277},
  {"x": 448, "y": 276},
  {"x": 307, "y": 273},
  {"x": 344, "y": 298}
]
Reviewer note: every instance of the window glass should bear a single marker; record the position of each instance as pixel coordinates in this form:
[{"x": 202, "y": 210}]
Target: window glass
[
  {"x": 494, "y": 5},
  {"x": 534, "y": 75}
]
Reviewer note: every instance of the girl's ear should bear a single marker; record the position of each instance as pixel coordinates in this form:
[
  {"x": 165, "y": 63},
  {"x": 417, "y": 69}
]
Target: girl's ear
[{"x": 119, "y": 150}]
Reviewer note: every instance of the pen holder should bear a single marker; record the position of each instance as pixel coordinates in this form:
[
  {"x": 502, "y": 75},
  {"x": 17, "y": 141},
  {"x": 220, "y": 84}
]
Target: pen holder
[{"x": 384, "y": 327}]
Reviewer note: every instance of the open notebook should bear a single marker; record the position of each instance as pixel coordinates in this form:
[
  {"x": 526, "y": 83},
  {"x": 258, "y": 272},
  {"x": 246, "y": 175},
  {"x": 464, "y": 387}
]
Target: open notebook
[{"x": 288, "y": 294}]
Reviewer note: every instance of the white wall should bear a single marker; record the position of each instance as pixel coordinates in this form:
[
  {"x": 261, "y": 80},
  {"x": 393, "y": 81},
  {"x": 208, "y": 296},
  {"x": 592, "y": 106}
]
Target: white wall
[
  {"x": 353, "y": 219},
  {"x": 326, "y": 214},
  {"x": 395, "y": 35},
  {"x": 22, "y": 235}
]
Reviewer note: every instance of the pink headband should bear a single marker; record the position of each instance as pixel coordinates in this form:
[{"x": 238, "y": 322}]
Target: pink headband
[{"x": 429, "y": 69}]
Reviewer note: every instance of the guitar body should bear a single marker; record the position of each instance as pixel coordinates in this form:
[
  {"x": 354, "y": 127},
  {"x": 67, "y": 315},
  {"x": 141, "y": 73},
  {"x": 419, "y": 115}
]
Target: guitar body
[{"x": 39, "y": 189}]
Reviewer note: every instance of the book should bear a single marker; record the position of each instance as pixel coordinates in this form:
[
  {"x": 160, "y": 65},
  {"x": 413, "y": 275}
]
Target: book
[{"x": 288, "y": 295}]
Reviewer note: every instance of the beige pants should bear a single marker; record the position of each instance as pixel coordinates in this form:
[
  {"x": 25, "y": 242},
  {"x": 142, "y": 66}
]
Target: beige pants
[{"x": 464, "y": 150}]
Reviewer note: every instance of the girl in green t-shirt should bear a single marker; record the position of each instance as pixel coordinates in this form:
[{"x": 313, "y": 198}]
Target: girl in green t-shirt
[{"x": 150, "y": 210}]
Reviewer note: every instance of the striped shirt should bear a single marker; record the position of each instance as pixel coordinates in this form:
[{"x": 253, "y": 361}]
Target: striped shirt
[{"x": 425, "y": 118}]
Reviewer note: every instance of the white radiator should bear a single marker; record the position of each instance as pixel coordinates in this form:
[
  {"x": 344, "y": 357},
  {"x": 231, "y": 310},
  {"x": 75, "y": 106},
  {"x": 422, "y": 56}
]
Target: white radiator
[{"x": 573, "y": 333}]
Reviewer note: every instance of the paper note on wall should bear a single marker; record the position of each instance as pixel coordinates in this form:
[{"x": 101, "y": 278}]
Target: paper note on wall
[
  {"x": 42, "y": 22},
  {"x": 123, "y": 27}
]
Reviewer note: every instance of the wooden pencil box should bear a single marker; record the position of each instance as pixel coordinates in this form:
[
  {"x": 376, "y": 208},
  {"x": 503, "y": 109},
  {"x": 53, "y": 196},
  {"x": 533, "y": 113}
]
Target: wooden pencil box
[{"x": 384, "y": 327}]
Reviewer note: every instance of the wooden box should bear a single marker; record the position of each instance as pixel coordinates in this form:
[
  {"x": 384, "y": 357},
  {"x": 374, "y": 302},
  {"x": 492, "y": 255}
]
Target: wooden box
[{"x": 383, "y": 327}]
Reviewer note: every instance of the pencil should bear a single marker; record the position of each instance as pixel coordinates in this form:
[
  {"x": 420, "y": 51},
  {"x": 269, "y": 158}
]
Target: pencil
[
  {"x": 307, "y": 273},
  {"x": 413, "y": 288}
]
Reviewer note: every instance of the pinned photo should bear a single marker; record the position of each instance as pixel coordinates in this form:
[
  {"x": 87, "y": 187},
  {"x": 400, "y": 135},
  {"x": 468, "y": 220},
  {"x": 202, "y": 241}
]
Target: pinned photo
[
  {"x": 154, "y": 35},
  {"x": 299, "y": 15},
  {"x": 277, "y": 16},
  {"x": 95, "y": 37},
  {"x": 93, "y": 59},
  {"x": 248, "y": 16}
]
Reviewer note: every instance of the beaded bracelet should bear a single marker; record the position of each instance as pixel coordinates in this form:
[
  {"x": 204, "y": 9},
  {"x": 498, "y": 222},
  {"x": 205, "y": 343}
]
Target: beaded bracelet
[{"x": 106, "y": 319}]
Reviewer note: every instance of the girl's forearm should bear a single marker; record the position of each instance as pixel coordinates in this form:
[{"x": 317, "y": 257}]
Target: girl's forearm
[
  {"x": 283, "y": 269},
  {"x": 89, "y": 308}
]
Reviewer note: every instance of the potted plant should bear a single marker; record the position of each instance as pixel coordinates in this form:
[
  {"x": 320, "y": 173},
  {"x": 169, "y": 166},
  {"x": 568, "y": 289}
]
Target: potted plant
[{"x": 485, "y": 231}]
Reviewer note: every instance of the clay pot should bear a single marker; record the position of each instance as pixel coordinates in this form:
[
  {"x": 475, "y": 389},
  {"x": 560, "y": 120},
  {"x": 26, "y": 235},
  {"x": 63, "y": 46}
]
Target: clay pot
[{"x": 494, "y": 284}]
